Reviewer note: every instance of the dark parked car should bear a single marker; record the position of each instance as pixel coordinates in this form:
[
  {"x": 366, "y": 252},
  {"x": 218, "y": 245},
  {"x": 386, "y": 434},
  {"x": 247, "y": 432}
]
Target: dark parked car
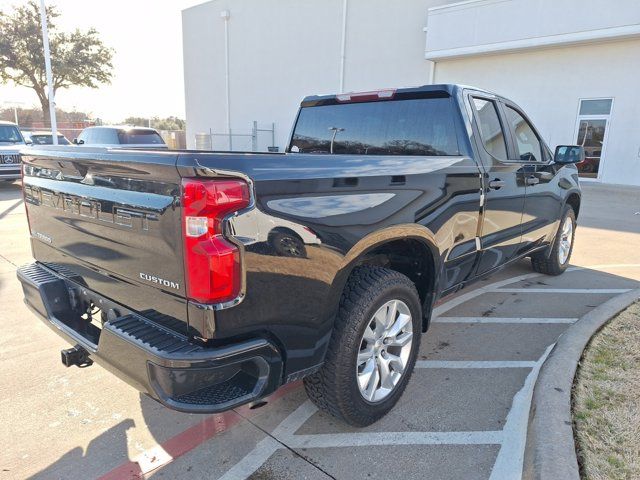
[
  {"x": 162, "y": 266},
  {"x": 120, "y": 137},
  {"x": 11, "y": 141}
]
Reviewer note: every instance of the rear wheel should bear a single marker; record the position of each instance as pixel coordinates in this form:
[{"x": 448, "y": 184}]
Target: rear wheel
[
  {"x": 557, "y": 261},
  {"x": 287, "y": 244},
  {"x": 373, "y": 348}
]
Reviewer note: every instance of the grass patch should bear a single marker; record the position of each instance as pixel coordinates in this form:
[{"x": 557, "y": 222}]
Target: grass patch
[{"x": 606, "y": 401}]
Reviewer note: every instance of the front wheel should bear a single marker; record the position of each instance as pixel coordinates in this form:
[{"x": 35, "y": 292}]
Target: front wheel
[
  {"x": 557, "y": 261},
  {"x": 373, "y": 348}
]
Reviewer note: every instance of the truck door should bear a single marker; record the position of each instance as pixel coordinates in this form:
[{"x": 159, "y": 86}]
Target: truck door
[
  {"x": 542, "y": 206},
  {"x": 503, "y": 190}
]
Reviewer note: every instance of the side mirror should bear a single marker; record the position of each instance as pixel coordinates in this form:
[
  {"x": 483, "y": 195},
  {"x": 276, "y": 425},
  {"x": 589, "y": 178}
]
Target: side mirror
[
  {"x": 77, "y": 142},
  {"x": 568, "y": 154},
  {"x": 28, "y": 141}
]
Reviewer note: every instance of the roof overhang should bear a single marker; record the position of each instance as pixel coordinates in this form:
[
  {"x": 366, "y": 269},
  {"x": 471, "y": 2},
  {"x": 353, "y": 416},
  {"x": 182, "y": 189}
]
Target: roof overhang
[{"x": 486, "y": 27}]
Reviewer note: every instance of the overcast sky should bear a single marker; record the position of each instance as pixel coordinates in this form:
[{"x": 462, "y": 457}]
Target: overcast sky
[{"x": 147, "y": 39}]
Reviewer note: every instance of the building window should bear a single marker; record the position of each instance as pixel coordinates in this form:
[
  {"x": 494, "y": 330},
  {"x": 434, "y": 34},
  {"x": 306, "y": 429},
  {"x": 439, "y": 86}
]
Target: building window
[
  {"x": 591, "y": 132},
  {"x": 600, "y": 106}
]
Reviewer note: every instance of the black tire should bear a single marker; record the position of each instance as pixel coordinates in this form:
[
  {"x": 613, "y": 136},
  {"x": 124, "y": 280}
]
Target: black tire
[
  {"x": 287, "y": 244},
  {"x": 549, "y": 262},
  {"x": 334, "y": 387}
]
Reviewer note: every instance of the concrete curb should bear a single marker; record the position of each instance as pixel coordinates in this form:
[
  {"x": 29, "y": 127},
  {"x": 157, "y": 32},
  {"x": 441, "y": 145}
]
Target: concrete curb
[{"x": 550, "y": 452}]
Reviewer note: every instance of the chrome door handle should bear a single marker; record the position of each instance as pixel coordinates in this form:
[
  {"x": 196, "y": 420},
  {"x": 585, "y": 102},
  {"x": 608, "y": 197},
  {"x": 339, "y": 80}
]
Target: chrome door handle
[
  {"x": 532, "y": 180},
  {"x": 496, "y": 184}
]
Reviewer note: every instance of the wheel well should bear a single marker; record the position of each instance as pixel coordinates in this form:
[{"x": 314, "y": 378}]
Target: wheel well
[
  {"x": 412, "y": 258},
  {"x": 574, "y": 201}
]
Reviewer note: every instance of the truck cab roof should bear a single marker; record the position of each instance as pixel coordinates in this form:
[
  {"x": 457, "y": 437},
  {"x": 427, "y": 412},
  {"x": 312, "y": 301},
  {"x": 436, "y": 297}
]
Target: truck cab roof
[{"x": 450, "y": 89}]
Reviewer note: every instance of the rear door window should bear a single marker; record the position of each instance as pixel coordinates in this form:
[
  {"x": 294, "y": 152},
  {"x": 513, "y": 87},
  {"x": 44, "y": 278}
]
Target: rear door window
[
  {"x": 490, "y": 127},
  {"x": 422, "y": 126},
  {"x": 139, "y": 137}
]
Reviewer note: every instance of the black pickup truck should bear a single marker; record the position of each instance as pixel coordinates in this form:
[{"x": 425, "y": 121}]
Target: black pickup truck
[{"x": 207, "y": 280}]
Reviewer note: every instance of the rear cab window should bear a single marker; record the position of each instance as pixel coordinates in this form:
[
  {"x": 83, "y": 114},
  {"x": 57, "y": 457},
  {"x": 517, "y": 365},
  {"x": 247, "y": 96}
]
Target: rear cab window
[
  {"x": 139, "y": 137},
  {"x": 48, "y": 140},
  {"x": 403, "y": 126}
]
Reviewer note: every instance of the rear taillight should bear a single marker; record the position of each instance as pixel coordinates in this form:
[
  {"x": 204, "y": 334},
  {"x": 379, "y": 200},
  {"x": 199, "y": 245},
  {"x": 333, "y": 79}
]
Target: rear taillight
[{"x": 212, "y": 263}]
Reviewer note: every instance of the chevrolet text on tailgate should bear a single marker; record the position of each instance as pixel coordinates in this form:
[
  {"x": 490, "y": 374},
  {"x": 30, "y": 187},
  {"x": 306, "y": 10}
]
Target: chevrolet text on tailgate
[{"x": 207, "y": 280}]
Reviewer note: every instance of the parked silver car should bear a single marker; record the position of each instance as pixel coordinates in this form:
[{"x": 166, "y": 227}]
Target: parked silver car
[{"x": 120, "y": 136}]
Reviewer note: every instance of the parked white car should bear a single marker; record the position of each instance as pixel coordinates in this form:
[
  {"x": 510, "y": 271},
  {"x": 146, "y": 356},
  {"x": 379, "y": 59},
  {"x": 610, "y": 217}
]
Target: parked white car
[
  {"x": 11, "y": 141},
  {"x": 39, "y": 137}
]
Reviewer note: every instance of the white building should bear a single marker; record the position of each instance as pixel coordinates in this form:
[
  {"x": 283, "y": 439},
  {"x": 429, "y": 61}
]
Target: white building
[{"x": 573, "y": 65}]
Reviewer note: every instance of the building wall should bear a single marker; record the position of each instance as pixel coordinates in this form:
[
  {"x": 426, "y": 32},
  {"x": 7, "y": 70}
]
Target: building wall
[
  {"x": 548, "y": 85},
  {"x": 510, "y": 24},
  {"x": 282, "y": 51}
]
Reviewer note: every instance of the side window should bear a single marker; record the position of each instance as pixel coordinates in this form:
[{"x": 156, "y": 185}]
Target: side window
[
  {"x": 490, "y": 128},
  {"x": 86, "y": 135},
  {"x": 527, "y": 142},
  {"x": 100, "y": 136}
]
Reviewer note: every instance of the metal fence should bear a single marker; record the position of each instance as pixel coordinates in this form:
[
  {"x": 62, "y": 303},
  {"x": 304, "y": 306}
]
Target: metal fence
[
  {"x": 238, "y": 141},
  {"x": 175, "y": 139}
]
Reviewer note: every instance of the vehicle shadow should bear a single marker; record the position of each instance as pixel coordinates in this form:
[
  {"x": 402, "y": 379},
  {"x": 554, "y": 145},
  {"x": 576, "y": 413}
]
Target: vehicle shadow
[{"x": 108, "y": 448}]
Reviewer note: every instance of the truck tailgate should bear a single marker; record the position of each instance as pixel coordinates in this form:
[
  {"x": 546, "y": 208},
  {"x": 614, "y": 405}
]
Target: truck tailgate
[{"x": 112, "y": 221}]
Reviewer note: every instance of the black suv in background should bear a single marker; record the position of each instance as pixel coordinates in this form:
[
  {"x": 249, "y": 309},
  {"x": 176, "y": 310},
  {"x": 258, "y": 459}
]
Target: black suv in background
[{"x": 120, "y": 136}]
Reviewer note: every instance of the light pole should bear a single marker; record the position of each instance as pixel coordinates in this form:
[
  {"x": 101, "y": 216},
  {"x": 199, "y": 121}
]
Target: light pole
[
  {"x": 335, "y": 131},
  {"x": 47, "y": 64},
  {"x": 225, "y": 14},
  {"x": 14, "y": 105}
]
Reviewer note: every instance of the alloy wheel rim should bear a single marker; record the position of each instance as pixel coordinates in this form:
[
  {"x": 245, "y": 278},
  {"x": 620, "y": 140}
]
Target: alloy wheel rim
[
  {"x": 385, "y": 348},
  {"x": 566, "y": 237},
  {"x": 290, "y": 245}
]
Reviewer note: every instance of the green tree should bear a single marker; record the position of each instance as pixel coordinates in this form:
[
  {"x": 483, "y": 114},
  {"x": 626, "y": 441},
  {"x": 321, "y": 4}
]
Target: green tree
[
  {"x": 169, "y": 123},
  {"x": 77, "y": 58}
]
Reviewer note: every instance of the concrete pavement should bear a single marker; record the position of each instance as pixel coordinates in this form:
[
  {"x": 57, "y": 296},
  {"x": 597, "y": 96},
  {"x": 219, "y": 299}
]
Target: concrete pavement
[{"x": 463, "y": 415}]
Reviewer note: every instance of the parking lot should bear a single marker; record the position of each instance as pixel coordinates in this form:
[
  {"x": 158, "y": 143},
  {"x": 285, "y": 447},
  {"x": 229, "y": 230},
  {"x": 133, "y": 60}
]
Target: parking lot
[{"x": 463, "y": 415}]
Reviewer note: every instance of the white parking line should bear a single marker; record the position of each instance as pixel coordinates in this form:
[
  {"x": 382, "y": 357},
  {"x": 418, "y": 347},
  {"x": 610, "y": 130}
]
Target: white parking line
[
  {"x": 502, "y": 320},
  {"x": 367, "y": 439},
  {"x": 465, "y": 297},
  {"x": 284, "y": 432},
  {"x": 474, "y": 364},
  {"x": 563, "y": 290},
  {"x": 253, "y": 461}
]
